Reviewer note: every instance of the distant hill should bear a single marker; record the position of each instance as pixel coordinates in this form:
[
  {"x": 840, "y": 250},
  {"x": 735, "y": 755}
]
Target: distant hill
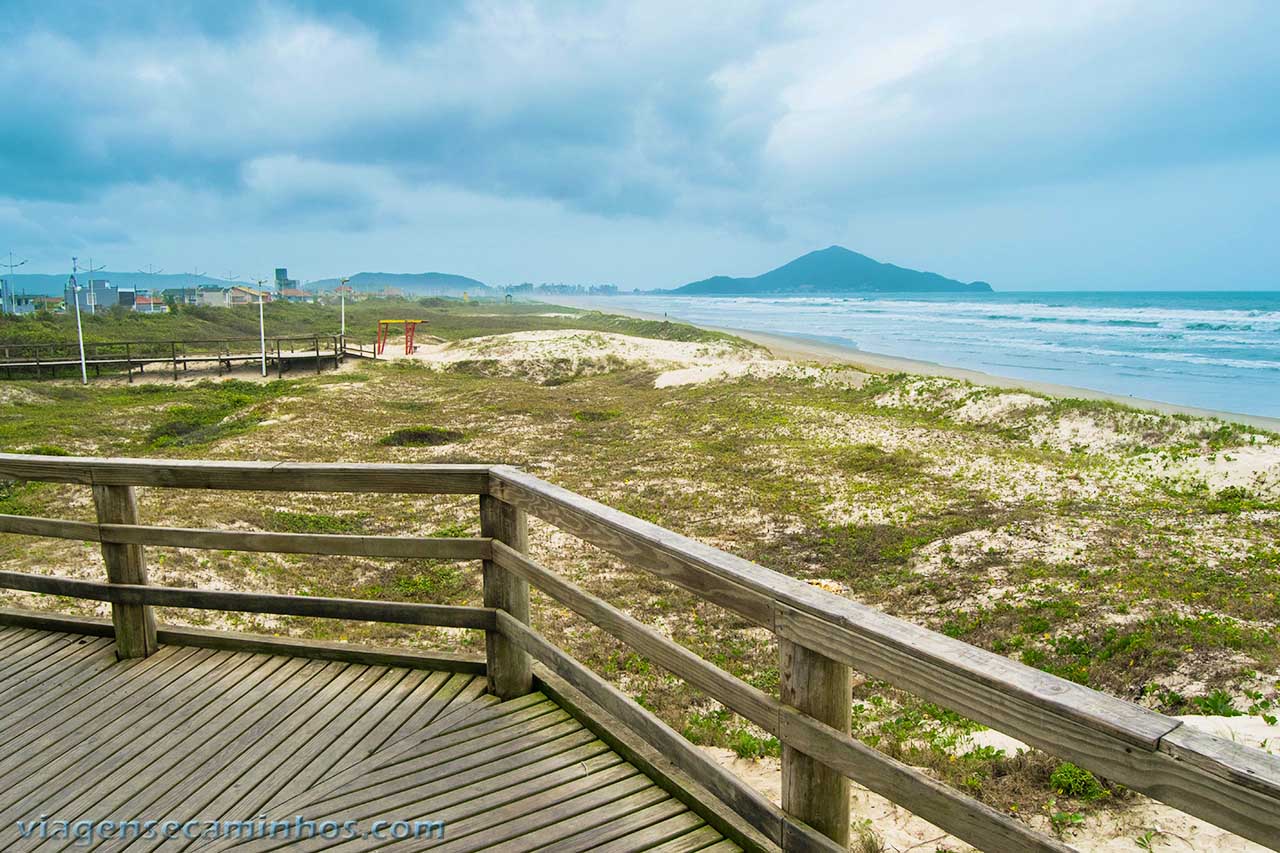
[
  {"x": 831, "y": 270},
  {"x": 53, "y": 284},
  {"x": 416, "y": 283}
]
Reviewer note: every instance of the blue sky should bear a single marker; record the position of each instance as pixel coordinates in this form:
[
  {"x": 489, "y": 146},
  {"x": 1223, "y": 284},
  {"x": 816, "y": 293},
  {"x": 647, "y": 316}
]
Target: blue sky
[{"x": 1080, "y": 145}]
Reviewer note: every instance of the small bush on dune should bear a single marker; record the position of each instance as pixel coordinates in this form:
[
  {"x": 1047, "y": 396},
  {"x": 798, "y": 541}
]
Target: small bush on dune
[
  {"x": 1072, "y": 781},
  {"x": 423, "y": 436}
]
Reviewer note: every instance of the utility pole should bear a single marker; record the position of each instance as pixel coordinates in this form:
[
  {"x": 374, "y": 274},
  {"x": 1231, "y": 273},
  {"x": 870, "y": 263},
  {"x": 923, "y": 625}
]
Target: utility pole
[
  {"x": 342, "y": 301},
  {"x": 195, "y": 288},
  {"x": 6, "y": 308},
  {"x": 262, "y": 329},
  {"x": 151, "y": 306}
]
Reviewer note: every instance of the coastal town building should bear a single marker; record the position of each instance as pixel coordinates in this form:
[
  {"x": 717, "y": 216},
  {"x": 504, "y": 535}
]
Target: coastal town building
[
  {"x": 93, "y": 295},
  {"x": 241, "y": 295},
  {"x": 294, "y": 294},
  {"x": 21, "y": 303}
]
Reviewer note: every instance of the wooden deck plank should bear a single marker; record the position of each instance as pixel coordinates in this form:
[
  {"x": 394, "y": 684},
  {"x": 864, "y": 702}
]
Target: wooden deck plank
[
  {"x": 38, "y": 759},
  {"x": 592, "y": 820},
  {"x": 655, "y": 835},
  {"x": 699, "y": 839},
  {"x": 562, "y": 748},
  {"x": 522, "y": 813},
  {"x": 213, "y": 734},
  {"x": 377, "y": 787},
  {"x": 245, "y": 793},
  {"x": 192, "y": 745},
  {"x": 32, "y": 652},
  {"x": 309, "y": 739},
  {"x": 360, "y": 718},
  {"x": 400, "y": 704},
  {"x": 614, "y": 828},
  {"x": 489, "y": 712},
  {"x": 237, "y": 758},
  {"x": 452, "y": 792},
  {"x": 59, "y": 767},
  {"x": 10, "y": 636},
  {"x": 73, "y": 665},
  {"x": 55, "y": 706},
  {"x": 725, "y": 846}
]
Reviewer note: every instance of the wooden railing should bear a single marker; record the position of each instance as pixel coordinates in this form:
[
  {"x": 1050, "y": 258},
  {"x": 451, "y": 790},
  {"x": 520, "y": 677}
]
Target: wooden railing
[
  {"x": 820, "y": 636},
  {"x": 46, "y": 359}
]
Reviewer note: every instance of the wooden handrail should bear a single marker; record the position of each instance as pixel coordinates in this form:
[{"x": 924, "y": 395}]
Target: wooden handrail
[
  {"x": 333, "y": 544},
  {"x": 1235, "y": 787},
  {"x": 252, "y": 476},
  {"x": 436, "y": 615}
]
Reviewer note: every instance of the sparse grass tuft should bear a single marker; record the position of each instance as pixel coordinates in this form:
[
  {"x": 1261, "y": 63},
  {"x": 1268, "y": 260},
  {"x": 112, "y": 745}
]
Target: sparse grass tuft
[
  {"x": 588, "y": 416},
  {"x": 1076, "y": 782},
  {"x": 315, "y": 522},
  {"x": 423, "y": 436}
]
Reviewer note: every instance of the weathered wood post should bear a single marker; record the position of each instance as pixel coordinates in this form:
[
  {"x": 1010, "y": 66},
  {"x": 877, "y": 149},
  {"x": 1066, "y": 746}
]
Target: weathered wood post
[
  {"x": 135, "y": 624},
  {"x": 820, "y": 687},
  {"x": 510, "y": 674}
]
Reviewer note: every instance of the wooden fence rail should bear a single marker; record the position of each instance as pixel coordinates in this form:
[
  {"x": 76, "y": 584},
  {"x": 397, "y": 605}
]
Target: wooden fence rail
[
  {"x": 19, "y": 359},
  {"x": 820, "y": 637}
]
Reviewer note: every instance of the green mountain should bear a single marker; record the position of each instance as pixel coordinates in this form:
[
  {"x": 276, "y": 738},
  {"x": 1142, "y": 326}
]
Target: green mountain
[
  {"x": 831, "y": 270},
  {"x": 416, "y": 283}
]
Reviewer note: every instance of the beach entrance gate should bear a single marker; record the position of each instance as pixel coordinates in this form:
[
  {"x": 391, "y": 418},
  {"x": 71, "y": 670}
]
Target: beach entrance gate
[{"x": 384, "y": 332}]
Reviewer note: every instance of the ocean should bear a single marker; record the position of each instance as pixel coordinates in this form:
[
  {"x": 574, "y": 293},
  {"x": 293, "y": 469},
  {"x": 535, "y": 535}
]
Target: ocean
[{"x": 1213, "y": 350}]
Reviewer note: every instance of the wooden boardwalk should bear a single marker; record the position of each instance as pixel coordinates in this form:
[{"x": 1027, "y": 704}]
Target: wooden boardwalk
[{"x": 197, "y": 734}]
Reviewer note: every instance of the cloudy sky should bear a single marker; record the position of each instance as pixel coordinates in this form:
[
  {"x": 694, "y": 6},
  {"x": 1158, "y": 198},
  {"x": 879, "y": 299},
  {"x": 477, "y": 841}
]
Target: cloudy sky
[{"x": 1037, "y": 145}]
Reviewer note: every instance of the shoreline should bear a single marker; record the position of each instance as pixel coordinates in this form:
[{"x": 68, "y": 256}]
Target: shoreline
[{"x": 795, "y": 348}]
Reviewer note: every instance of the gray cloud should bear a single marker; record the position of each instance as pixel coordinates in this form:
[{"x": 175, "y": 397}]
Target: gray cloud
[{"x": 771, "y": 122}]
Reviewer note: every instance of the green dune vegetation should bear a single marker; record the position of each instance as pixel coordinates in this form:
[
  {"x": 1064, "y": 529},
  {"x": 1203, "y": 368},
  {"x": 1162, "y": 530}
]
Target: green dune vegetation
[{"x": 1130, "y": 551}]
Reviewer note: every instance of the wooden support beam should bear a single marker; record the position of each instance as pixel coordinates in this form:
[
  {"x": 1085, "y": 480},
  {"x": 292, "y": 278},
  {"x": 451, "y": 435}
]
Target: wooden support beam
[
  {"x": 135, "y": 624},
  {"x": 510, "y": 674},
  {"x": 812, "y": 791}
]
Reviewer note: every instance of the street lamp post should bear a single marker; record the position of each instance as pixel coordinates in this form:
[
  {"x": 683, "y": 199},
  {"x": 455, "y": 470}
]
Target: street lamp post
[
  {"x": 75, "y": 296},
  {"x": 262, "y": 329},
  {"x": 342, "y": 301}
]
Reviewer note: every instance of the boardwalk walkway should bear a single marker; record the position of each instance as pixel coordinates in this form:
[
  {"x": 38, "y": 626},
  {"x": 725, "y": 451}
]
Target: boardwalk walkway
[{"x": 200, "y": 734}]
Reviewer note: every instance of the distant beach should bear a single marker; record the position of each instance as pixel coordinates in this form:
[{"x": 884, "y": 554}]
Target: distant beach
[
  {"x": 1181, "y": 353},
  {"x": 1176, "y": 352}
]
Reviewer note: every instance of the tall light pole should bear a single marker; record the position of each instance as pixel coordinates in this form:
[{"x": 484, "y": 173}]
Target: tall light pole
[
  {"x": 5, "y": 309},
  {"x": 342, "y": 301},
  {"x": 262, "y": 329},
  {"x": 75, "y": 297}
]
